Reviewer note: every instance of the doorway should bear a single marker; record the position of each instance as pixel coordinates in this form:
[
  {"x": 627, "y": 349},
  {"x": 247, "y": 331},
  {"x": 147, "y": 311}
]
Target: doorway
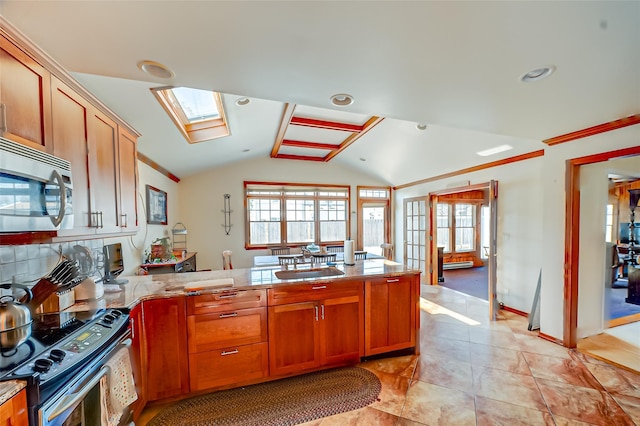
[{"x": 373, "y": 218}]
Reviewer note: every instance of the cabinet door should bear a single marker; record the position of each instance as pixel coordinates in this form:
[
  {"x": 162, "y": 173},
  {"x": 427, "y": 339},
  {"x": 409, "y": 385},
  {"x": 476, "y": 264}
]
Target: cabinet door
[
  {"x": 25, "y": 98},
  {"x": 103, "y": 152},
  {"x": 294, "y": 338},
  {"x": 128, "y": 170},
  {"x": 342, "y": 330},
  {"x": 69, "y": 113},
  {"x": 14, "y": 411},
  {"x": 138, "y": 354},
  {"x": 390, "y": 314},
  {"x": 166, "y": 355}
]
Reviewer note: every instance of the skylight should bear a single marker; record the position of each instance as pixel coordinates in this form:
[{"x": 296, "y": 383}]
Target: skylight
[
  {"x": 198, "y": 114},
  {"x": 197, "y": 105}
]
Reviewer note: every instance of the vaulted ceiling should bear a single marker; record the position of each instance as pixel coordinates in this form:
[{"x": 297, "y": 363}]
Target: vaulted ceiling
[{"x": 454, "y": 66}]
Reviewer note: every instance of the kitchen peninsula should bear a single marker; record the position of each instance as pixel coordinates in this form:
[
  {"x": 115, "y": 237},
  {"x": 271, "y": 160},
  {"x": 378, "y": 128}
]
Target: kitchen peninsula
[{"x": 229, "y": 328}]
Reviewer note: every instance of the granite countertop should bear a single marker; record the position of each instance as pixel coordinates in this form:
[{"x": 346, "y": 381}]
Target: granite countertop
[
  {"x": 10, "y": 388},
  {"x": 144, "y": 287}
]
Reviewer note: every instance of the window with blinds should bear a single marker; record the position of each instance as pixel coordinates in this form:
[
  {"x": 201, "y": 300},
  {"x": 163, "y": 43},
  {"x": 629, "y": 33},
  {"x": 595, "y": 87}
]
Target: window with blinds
[{"x": 288, "y": 214}]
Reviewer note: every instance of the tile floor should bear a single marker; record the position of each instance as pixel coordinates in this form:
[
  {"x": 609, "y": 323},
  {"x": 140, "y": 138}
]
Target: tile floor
[{"x": 475, "y": 372}]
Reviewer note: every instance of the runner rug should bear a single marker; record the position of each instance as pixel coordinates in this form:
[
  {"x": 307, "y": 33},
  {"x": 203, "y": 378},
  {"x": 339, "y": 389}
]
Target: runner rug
[{"x": 287, "y": 401}]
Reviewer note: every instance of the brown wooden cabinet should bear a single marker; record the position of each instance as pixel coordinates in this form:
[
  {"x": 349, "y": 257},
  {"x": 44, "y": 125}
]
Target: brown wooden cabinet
[
  {"x": 227, "y": 335},
  {"x": 25, "y": 98},
  {"x": 392, "y": 314},
  {"x": 128, "y": 180},
  {"x": 138, "y": 353},
  {"x": 42, "y": 106},
  {"x": 14, "y": 411},
  {"x": 165, "y": 358},
  {"x": 103, "y": 160},
  {"x": 326, "y": 329}
]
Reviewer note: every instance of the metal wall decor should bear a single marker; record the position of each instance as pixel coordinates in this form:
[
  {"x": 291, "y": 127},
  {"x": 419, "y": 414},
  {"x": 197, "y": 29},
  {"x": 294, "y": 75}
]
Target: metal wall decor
[
  {"x": 633, "y": 274},
  {"x": 227, "y": 213}
]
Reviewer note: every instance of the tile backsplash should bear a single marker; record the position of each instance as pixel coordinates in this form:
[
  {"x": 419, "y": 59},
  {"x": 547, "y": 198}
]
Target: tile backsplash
[{"x": 25, "y": 264}]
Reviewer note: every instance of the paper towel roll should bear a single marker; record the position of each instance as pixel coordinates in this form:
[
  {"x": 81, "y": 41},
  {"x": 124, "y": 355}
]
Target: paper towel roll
[{"x": 349, "y": 252}]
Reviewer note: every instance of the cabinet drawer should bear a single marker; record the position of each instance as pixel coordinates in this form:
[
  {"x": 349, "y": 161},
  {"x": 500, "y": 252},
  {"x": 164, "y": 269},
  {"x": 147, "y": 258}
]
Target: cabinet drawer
[
  {"x": 225, "y": 301},
  {"x": 228, "y": 366},
  {"x": 223, "y": 329},
  {"x": 313, "y": 291}
]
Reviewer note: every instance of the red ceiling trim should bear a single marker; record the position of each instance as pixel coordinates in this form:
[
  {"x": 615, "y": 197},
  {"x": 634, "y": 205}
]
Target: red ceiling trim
[
  {"x": 287, "y": 114},
  {"x": 323, "y": 124},
  {"x": 299, "y": 157},
  {"x": 370, "y": 124},
  {"x": 595, "y": 130},
  {"x": 315, "y": 145}
]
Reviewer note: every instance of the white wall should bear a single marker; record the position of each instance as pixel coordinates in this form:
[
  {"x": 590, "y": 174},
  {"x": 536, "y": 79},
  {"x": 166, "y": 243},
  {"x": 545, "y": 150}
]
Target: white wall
[
  {"x": 519, "y": 226},
  {"x": 202, "y": 198},
  {"x": 133, "y": 247}
]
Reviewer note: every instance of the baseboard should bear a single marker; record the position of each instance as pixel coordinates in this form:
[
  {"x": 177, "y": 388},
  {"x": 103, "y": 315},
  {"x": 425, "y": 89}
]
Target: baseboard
[
  {"x": 623, "y": 320},
  {"x": 457, "y": 265},
  {"x": 514, "y": 310}
]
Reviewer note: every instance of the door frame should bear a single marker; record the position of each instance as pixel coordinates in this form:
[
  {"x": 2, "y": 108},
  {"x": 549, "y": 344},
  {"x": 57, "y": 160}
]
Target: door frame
[{"x": 492, "y": 186}]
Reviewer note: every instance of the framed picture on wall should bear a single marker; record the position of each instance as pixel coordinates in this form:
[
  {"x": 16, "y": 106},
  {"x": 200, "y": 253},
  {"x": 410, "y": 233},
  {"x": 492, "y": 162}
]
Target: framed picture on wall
[{"x": 156, "y": 206}]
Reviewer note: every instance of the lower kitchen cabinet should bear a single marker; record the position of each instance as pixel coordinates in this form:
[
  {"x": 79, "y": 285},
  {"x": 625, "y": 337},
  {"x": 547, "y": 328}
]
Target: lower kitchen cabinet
[
  {"x": 138, "y": 353},
  {"x": 391, "y": 314},
  {"x": 326, "y": 330},
  {"x": 227, "y": 338},
  {"x": 166, "y": 359},
  {"x": 14, "y": 411}
]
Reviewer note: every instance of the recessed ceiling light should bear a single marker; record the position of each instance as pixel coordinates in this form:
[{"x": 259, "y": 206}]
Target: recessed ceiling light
[
  {"x": 538, "y": 74},
  {"x": 421, "y": 126},
  {"x": 155, "y": 69},
  {"x": 342, "y": 100},
  {"x": 494, "y": 150},
  {"x": 243, "y": 101}
]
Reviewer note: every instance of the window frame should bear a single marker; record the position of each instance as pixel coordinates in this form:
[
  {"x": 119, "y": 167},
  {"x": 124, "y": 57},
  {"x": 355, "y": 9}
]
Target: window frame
[
  {"x": 198, "y": 131},
  {"x": 295, "y": 191},
  {"x": 453, "y": 226}
]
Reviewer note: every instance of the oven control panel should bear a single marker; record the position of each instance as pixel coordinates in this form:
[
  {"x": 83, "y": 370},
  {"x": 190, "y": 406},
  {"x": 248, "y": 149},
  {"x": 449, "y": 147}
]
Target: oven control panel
[{"x": 77, "y": 347}]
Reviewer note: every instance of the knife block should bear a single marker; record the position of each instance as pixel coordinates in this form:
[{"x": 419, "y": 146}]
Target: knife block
[{"x": 57, "y": 302}]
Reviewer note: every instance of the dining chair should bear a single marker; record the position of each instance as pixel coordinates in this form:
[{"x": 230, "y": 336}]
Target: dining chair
[
  {"x": 287, "y": 260},
  {"x": 280, "y": 250},
  {"x": 226, "y": 260},
  {"x": 360, "y": 255},
  {"x": 323, "y": 257},
  {"x": 335, "y": 249},
  {"x": 387, "y": 250}
]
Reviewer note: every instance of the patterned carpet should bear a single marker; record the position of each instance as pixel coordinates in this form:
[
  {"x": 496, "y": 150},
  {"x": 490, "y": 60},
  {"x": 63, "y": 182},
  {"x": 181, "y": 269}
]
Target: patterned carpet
[{"x": 287, "y": 401}]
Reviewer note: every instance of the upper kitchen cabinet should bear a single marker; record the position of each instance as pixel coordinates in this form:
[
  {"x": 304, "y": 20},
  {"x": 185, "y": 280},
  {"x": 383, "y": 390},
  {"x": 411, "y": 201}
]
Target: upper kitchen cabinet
[
  {"x": 128, "y": 174},
  {"x": 25, "y": 98},
  {"x": 43, "y": 106},
  {"x": 103, "y": 161}
]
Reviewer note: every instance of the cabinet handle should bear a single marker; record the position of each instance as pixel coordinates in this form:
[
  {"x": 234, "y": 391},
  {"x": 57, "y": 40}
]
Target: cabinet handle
[
  {"x": 125, "y": 221},
  {"x": 101, "y": 221},
  {"x": 316, "y": 309},
  {"x": 318, "y": 287},
  {"x": 233, "y": 352},
  {"x": 133, "y": 328},
  {"x": 3, "y": 125},
  {"x": 232, "y": 314},
  {"x": 393, "y": 280},
  {"x": 227, "y": 296},
  {"x": 322, "y": 310}
]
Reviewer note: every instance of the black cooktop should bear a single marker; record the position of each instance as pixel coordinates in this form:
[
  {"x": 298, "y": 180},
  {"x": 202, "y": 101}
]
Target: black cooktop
[{"x": 46, "y": 331}]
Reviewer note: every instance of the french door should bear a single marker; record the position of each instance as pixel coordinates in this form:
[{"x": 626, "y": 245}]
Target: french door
[{"x": 415, "y": 237}]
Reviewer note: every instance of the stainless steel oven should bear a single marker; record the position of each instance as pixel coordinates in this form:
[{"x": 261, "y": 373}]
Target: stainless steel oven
[{"x": 63, "y": 362}]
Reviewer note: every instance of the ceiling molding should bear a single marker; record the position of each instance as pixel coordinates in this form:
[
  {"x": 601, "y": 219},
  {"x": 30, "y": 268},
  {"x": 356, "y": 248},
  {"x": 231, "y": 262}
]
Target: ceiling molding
[
  {"x": 157, "y": 167},
  {"x": 323, "y": 128},
  {"x": 595, "y": 130},
  {"x": 503, "y": 162}
]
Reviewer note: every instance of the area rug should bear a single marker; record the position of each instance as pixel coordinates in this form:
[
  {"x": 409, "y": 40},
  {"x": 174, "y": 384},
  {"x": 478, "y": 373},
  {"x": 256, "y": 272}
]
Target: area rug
[{"x": 287, "y": 401}]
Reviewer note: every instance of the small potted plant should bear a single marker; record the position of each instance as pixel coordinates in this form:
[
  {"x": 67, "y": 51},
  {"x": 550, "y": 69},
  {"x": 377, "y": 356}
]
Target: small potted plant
[{"x": 161, "y": 249}]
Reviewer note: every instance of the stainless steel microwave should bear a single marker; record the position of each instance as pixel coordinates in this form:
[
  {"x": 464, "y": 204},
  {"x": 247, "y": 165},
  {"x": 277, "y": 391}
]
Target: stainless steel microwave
[{"x": 35, "y": 190}]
